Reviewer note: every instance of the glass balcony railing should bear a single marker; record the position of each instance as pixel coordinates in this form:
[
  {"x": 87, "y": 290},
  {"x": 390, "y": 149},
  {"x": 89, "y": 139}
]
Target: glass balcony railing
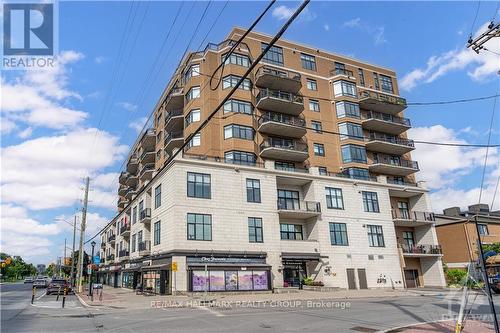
[
  {"x": 282, "y": 119},
  {"x": 401, "y": 162},
  {"x": 373, "y": 136},
  {"x": 300, "y": 206},
  {"x": 145, "y": 214},
  {"x": 385, "y": 117},
  {"x": 280, "y": 95},
  {"x": 294, "y": 145}
]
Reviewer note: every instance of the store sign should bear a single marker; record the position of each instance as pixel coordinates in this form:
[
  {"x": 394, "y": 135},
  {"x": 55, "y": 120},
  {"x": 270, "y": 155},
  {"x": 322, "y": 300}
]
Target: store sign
[{"x": 225, "y": 260}]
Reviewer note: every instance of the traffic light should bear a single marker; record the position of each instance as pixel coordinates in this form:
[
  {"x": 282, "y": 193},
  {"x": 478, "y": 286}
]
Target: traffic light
[{"x": 8, "y": 261}]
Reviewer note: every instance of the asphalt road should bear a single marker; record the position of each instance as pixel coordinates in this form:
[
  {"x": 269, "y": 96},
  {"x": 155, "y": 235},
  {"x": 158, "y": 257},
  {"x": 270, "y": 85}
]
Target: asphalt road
[{"x": 361, "y": 315}]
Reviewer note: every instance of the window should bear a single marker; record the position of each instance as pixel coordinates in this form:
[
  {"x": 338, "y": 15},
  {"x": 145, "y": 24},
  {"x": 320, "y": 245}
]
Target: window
[
  {"x": 158, "y": 196},
  {"x": 313, "y": 105},
  {"x": 199, "y": 227},
  {"x": 323, "y": 171},
  {"x": 134, "y": 215},
  {"x": 139, "y": 237},
  {"x": 274, "y": 55},
  {"x": 316, "y": 126},
  {"x": 240, "y": 157},
  {"x": 483, "y": 229},
  {"x": 238, "y": 132},
  {"x": 386, "y": 83},
  {"x": 195, "y": 141},
  {"x": 230, "y": 81},
  {"x": 375, "y": 236},
  {"x": 351, "y": 131},
  {"x": 403, "y": 210},
  {"x": 133, "y": 242},
  {"x": 238, "y": 106},
  {"x": 291, "y": 231},
  {"x": 408, "y": 239},
  {"x": 236, "y": 59},
  {"x": 353, "y": 153},
  {"x": 288, "y": 199},
  {"x": 338, "y": 234},
  {"x": 361, "y": 77},
  {"x": 312, "y": 84},
  {"x": 308, "y": 61},
  {"x": 334, "y": 199},
  {"x": 375, "y": 81},
  {"x": 347, "y": 109},
  {"x": 339, "y": 68},
  {"x": 156, "y": 233},
  {"x": 370, "y": 201},
  {"x": 255, "y": 230},
  {"x": 357, "y": 173},
  {"x": 319, "y": 149},
  {"x": 285, "y": 166},
  {"x": 198, "y": 185},
  {"x": 344, "y": 88},
  {"x": 193, "y": 93},
  {"x": 141, "y": 206},
  {"x": 253, "y": 190},
  {"x": 194, "y": 70},
  {"x": 193, "y": 116}
]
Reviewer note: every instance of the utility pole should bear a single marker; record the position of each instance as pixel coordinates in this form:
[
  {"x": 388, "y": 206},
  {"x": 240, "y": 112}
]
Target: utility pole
[
  {"x": 82, "y": 236},
  {"x": 64, "y": 258},
  {"x": 72, "y": 278}
]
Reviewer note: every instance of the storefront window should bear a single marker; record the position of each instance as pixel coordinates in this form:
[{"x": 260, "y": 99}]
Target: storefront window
[
  {"x": 245, "y": 281},
  {"x": 200, "y": 282},
  {"x": 260, "y": 281},
  {"x": 231, "y": 280},
  {"x": 220, "y": 280},
  {"x": 217, "y": 281},
  {"x": 151, "y": 281}
]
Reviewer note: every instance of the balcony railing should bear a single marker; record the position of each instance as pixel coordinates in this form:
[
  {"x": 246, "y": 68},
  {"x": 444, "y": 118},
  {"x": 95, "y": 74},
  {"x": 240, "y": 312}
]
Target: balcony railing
[
  {"x": 338, "y": 71},
  {"x": 145, "y": 246},
  {"x": 173, "y": 113},
  {"x": 300, "y": 206},
  {"x": 385, "y": 117},
  {"x": 173, "y": 135},
  {"x": 145, "y": 214},
  {"x": 282, "y": 119},
  {"x": 218, "y": 159},
  {"x": 111, "y": 238},
  {"x": 147, "y": 167},
  {"x": 103, "y": 243},
  {"x": 397, "y": 181},
  {"x": 402, "y": 214},
  {"x": 265, "y": 70},
  {"x": 294, "y": 145},
  {"x": 123, "y": 253},
  {"x": 370, "y": 177},
  {"x": 421, "y": 249},
  {"x": 373, "y": 136},
  {"x": 281, "y": 95},
  {"x": 124, "y": 228},
  {"x": 382, "y": 97},
  {"x": 110, "y": 257},
  {"x": 291, "y": 169},
  {"x": 401, "y": 162}
]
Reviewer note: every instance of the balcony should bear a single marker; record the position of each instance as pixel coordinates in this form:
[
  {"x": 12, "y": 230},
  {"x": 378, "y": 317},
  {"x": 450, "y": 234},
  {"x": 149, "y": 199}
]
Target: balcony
[
  {"x": 147, "y": 157},
  {"x": 175, "y": 99},
  {"x": 290, "y": 209},
  {"x": 274, "y": 78},
  {"x": 384, "y": 122},
  {"x": 173, "y": 140},
  {"x": 280, "y": 101},
  {"x": 123, "y": 177},
  {"x": 282, "y": 125},
  {"x": 122, "y": 202},
  {"x": 405, "y": 218},
  {"x": 123, "y": 254},
  {"x": 148, "y": 140},
  {"x": 110, "y": 258},
  {"x": 147, "y": 172},
  {"x": 130, "y": 193},
  {"x": 112, "y": 238},
  {"x": 103, "y": 244},
  {"x": 374, "y": 101},
  {"x": 393, "y": 166},
  {"x": 344, "y": 74},
  {"x": 122, "y": 190},
  {"x": 132, "y": 181},
  {"x": 420, "y": 250},
  {"x": 145, "y": 215},
  {"x": 144, "y": 248},
  {"x": 174, "y": 119},
  {"x": 387, "y": 144},
  {"x": 132, "y": 164},
  {"x": 285, "y": 150},
  {"x": 125, "y": 230}
]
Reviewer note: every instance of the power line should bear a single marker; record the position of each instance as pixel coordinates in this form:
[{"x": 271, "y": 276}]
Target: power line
[
  {"x": 475, "y": 18},
  {"x": 487, "y": 149},
  {"x": 453, "y": 101}
]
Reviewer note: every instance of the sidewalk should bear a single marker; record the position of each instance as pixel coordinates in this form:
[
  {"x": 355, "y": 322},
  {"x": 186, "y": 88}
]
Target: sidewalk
[
  {"x": 471, "y": 326},
  {"x": 126, "y": 298}
]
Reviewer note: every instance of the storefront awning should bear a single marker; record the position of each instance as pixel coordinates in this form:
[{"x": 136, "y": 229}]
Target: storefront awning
[
  {"x": 301, "y": 256},
  {"x": 155, "y": 267}
]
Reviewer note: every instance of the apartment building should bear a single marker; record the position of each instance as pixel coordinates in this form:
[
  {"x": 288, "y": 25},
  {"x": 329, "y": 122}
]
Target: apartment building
[
  {"x": 457, "y": 234},
  {"x": 305, "y": 171}
]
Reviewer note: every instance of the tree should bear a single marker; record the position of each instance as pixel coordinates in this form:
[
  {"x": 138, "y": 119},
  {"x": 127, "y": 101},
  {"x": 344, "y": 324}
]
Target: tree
[
  {"x": 17, "y": 269},
  {"x": 491, "y": 247}
]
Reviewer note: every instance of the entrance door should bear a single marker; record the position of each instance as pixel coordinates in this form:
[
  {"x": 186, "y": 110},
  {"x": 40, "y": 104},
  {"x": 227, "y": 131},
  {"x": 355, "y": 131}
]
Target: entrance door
[
  {"x": 351, "y": 279},
  {"x": 411, "y": 277},
  {"x": 362, "y": 278},
  {"x": 291, "y": 277}
]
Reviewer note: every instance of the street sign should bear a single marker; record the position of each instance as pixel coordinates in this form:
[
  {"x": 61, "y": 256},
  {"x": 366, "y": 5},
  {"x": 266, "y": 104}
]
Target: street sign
[
  {"x": 97, "y": 260},
  {"x": 174, "y": 266},
  {"x": 89, "y": 269}
]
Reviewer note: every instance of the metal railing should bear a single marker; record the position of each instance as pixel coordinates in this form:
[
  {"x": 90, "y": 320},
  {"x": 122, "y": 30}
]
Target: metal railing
[
  {"x": 421, "y": 249},
  {"x": 374, "y": 136},
  {"x": 144, "y": 246},
  {"x": 299, "y": 206},
  {"x": 299, "y": 146},
  {"x": 382, "y": 97},
  {"x": 370, "y": 177},
  {"x": 290, "y": 169},
  {"x": 173, "y": 113},
  {"x": 338, "y": 71},
  {"x": 144, "y": 214},
  {"x": 124, "y": 228},
  {"x": 111, "y": 238},
  {"x": 146, "y": 167},
  {"x": 281, "y": 73},
  {"x": 218, "y": 159},
  {"x": 110, "y": 257},
  {"x": 282, "y": 119},
  {"x": 278, "y": 94},
  {"x": 399, "y": 182},
  {"x": 173, "y": 135},
  {"x": 133, "y": 159},
  {"x": 385, "y": 117},
  {"x": 397, "y": 162},
  {"x": 123, "y": 253},
  {"x": 411, "y": 215}
]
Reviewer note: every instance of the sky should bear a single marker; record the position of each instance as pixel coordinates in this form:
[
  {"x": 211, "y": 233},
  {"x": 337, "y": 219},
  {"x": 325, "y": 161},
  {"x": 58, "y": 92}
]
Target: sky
[{"x": 81, "y": 117}]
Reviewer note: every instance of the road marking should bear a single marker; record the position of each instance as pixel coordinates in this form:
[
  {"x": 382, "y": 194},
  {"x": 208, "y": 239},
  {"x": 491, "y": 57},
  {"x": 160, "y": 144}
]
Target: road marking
[
  {"x": 212, "y": 311},
  {"x": 43, "y": 294}
]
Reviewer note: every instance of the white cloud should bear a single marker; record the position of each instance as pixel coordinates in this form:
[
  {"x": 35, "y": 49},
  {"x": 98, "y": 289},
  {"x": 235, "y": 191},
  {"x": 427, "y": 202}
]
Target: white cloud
[
  {"x": 32, "y": 248},
  {"x": 6, "y": 126},
  {"x": 15, "y": 219},
  {"x": 480, "y": 66},
  {"x": 377, "y": 32},
  {"x": 326, "y": 27},
  {"x": 138, "y": 124},
  {"x": 284, "y": 13},
  {"x": 100, "y": 59},
  {"x": 26, "y": 133},
  {"x": 127, "y": 106},
  {"x": 60, "y": 162}
]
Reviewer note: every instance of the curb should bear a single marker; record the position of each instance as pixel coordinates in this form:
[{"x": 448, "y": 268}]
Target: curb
[
  {"x": 85, "y": 303},
  {"x": 411, "y": 325}
]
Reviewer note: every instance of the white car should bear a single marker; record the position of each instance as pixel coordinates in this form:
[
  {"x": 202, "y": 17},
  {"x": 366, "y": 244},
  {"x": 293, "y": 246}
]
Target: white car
[{"x": 40, "y": 283}]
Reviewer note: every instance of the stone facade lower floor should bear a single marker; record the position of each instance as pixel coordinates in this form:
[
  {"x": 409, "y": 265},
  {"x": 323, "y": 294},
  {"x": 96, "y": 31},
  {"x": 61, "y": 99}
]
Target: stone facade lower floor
[{"x": 219, "y": 272}]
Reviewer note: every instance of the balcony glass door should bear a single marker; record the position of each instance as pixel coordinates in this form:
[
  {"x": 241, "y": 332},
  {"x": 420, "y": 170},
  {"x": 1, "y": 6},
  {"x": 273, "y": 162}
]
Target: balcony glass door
[
  {"x": 404, "y": 211},
  {"x": 408, "y": 239},
  {"x": 288, "y": 199}
]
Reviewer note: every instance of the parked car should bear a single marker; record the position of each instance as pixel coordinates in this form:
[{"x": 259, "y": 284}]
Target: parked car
[
  {"x": 40, "y": 283},
  {"x": 57, "y": 285},
  {"x": 28, "y": 280}
]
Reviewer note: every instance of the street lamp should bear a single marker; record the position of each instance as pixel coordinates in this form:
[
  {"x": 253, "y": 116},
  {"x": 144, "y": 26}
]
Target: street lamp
[{"x": 90, "y": 270}]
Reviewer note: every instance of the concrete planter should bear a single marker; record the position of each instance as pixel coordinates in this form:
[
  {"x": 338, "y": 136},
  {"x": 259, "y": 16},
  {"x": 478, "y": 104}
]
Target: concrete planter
[{"x": 319, "y": 288}]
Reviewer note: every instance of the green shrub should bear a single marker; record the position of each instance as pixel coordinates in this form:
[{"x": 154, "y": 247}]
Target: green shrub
[{"x": 456, "y": 276}]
